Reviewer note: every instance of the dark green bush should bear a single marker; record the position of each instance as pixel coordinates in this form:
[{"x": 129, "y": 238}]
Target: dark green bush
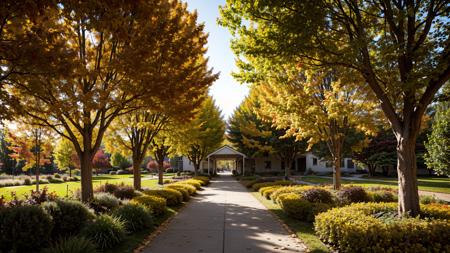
[
  {"x": 357, "y": 227},
  {"x": 124, "y": 191},
  {"x": 72, "y": 245},
  {"x": 352, "y": 194},
  {"x": 69, "y": 216},
  {"x": 156, "y": 204},
  {"x": 27, "y": 181},
  {"x": 24, "y": 228},
  {"x": 104, "y": 202},
  {"x": 135, "y": 217},
  {"x": 173, "y": 197},
  {"x": 106, "y": 231},
  {"x": 317, "y": 195},
  {"x": 56, "y": 175}
]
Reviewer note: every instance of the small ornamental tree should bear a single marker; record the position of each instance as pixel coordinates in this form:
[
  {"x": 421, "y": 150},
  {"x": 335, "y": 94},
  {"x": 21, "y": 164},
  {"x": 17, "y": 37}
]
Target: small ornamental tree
[{"x": 101, "y": 160}]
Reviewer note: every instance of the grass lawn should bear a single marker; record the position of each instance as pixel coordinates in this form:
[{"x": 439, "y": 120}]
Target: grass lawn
[
  {"x": 69, "y": 188},
  {"x": 431, "y": 184},
  {"x": 304, "y": 230}
]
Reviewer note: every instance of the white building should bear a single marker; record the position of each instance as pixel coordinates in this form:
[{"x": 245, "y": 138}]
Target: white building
[{"x": 265, "y": 164}]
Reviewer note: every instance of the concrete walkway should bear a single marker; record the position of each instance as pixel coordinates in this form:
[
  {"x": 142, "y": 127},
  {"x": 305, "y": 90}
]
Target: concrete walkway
[{"x": 224, "y": 218}]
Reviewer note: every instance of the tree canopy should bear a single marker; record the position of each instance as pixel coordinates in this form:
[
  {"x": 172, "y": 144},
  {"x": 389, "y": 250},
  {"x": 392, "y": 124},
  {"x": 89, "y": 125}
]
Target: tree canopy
[{"x": 400, "y": 48}]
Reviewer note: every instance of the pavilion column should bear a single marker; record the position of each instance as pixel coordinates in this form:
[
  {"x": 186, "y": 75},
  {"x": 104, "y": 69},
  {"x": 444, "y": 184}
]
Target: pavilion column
[
  {"x": 209, "y": 173},
  {"x": 243, "y": 165}
]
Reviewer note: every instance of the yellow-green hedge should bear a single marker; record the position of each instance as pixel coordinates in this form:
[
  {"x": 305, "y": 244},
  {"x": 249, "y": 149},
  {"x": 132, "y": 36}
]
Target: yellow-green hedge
[
  {"x": 268, "y": 190},
  {"x": 172, "y": 196},
  {"x": 181, "y": 188},
  {"x": 194, "y": 182},
  {"x": 257, "y": 186},
  {"x": 358, "y": 227},
  {"x": 203, "y": 179},
  {"x": 288, "y": 189},
  {"x": 191, "y": 189},
  {"x": 295, "y": 206},
  {"x": 156, "y": 204}
]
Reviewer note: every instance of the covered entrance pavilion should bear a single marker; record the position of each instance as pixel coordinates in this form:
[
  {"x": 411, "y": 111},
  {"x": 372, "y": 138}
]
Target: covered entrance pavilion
[{"x": 226, "y": 153}]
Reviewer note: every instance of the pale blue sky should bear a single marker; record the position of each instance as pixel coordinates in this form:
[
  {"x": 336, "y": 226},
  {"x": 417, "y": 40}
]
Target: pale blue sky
[{"x": 226, "y": 91}]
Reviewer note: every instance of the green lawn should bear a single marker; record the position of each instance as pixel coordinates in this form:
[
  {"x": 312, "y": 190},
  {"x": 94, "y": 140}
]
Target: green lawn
[
  {"x": 69, "y": 188},
  {"x": 431, "y": 184},
  {"x": 304, "y": 230}
]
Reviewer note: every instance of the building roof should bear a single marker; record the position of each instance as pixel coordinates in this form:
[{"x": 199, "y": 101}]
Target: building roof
[{"x": 226, "y": 150}]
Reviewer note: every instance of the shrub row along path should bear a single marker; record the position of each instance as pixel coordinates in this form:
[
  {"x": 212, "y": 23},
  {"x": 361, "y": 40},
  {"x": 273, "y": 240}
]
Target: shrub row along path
[
  {"x": 224, "y": 218},
  {"x": 439, "y": 195}
]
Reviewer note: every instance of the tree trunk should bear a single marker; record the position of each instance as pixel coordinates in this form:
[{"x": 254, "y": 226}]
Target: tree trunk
[
  {"x": 161, "y": 172},
  {"x": 86, "y": 176},
  {"x": 408, "y": 196},
  {"x": 136, "y": 174},
  {"x": 196, "y": 168},
  {"x": 337, "y": 171},
  {"x": 372, "y": 169},
  {"x": 287, "y": 170}
]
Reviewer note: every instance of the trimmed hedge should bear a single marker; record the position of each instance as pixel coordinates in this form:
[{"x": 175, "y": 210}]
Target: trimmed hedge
[
  {"x": 268, "y": 190},
  {"x": 318, "y": 195},
  {"x": 203, "y": 179},
  {"x": 173, "y": 197},
  {"x": 194, "y": 182},
  {"x": 352, "y": 194},
  {"x": 299, "y": 208},
  {"x": 374, "y": 227},
  {"x": 257, "y": 186},
  {"x": 191, "y": 189},
  {"x": 289, "y": 189},
  {"x": 182, "y": 189},
  {"x": 156, "y": 204}
]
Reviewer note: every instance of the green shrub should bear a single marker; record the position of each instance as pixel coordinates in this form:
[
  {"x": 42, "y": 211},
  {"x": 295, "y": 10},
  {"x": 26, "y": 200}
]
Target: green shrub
[
  {"x": 72, "y": 245},
  {"x": 124, "y": 191},
  {"x": 182, "y": 189},
  {"x": 104, "y": 202},
  {"x": 268, "y": 190},
  {"x": 135, "y": 217},
  {"x": 427, "y": 199},
  {"x": 156, "y": 204},
  {"x": 24, "y": 228},
  {"x": 357, "y": 227},
  {"x": 173, "y": 197},
  {"x": 69, "y": 216},
  {"x": 257, "y": 186},
  {"x": 295, "y": 206},
  {"x": 381, "y": 196},
  {"x": 106, "y": 231},
  {"x": 56, "y": 175},
  {"x": 27, "y": 181},
  {"x": 352, "y": 194},
  {"x": 55, "y": 180},
  {"x": 317, "y": 195}
]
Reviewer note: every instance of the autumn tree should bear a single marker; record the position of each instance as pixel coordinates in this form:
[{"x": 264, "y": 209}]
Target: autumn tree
[
  {"x": 106, "y": 57},
  {"x": 437, "y": 155},
  {"x": 63, "y": 153},
  {"x": 317, "y": 105},
  {"x": 202, "y": 135},
  {"x": 254, "y": 135},
  {"x": 33, "y": 145},
  {"x": 400, "y": 48},
  {"x": 100, "y": 160},
  {"x": 120, "y": 161}
]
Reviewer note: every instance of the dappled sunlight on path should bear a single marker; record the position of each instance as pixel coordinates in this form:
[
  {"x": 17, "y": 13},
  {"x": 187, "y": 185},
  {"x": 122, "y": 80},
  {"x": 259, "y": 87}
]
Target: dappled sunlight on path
[{"x": 225, "y": 217}]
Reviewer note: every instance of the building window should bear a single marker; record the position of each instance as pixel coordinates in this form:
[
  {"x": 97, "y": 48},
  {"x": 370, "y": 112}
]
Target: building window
[
  {"x": 350, "y": 164},
  {"x": 314, "y": 161},
  {"x": 268, "y": 165}
]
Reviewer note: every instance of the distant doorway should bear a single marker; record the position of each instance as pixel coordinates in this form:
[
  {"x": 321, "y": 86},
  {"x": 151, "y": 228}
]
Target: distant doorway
[{"x": 301, "y": 163}]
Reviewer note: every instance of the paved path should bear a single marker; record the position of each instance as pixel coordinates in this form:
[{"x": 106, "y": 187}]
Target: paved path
[{"x": 224, "y": 218}]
